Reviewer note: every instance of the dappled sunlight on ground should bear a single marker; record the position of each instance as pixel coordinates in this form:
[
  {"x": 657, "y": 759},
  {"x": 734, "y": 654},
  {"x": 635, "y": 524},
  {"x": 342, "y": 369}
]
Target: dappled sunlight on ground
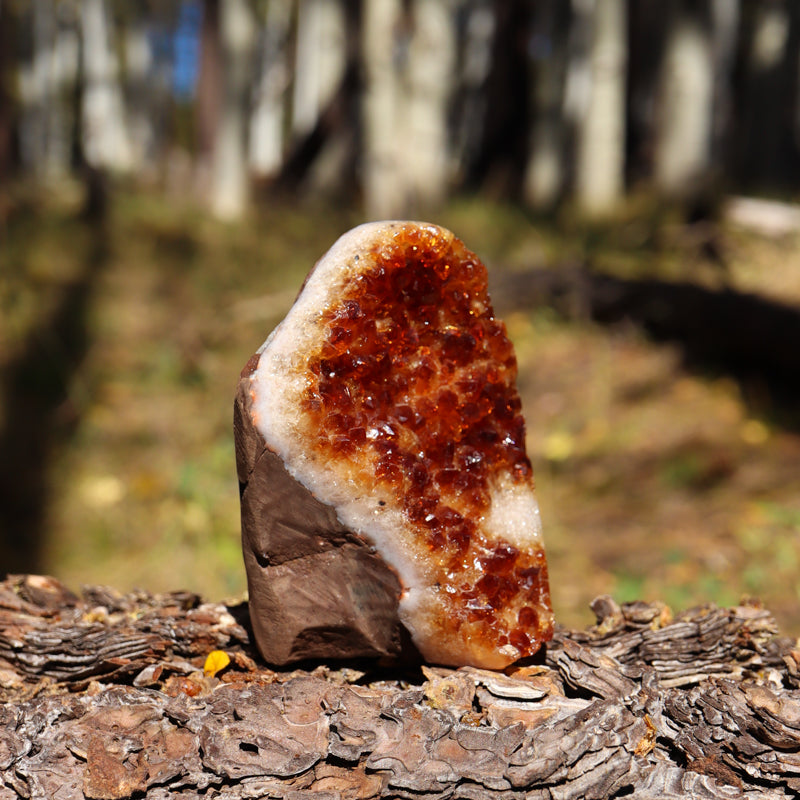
[{"x": 655, "y": 482}]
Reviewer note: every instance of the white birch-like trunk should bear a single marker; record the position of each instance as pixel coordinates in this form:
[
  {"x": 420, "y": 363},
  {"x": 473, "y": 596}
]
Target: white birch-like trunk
[
  {"x": 105, "y": 140},
  {"x": 35, "y": 81},
  {"x": 385, "y": 194},
  {"x": 687, "y": 89},
  {"x": 44, "y": 85},
  {"x": 141, "y": 99},
  {"x": 229, "y": 189},
  {"x": 771, "y": 36},
  {"x": 409, "y": 66},
  {"x": 431, "y": 68},
  {"x": 320, "y": 61},
  {"x": 600, "y": 175},
  {"x": 725, "y": 27},
  {"x": 269, "y": 98},
  {"x": 545, "y": 174}
]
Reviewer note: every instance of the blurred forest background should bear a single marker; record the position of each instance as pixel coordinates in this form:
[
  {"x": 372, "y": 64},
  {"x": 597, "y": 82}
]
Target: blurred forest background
[{"x": 169, "y": 171}]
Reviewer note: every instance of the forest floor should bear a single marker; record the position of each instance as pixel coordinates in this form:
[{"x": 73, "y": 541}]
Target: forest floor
[{"x": 656, "y": 481}]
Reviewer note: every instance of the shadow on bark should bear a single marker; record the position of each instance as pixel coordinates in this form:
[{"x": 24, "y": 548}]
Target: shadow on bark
[
  {"x": 752, "y": 338},
  {"x": 39, "y": 414}
]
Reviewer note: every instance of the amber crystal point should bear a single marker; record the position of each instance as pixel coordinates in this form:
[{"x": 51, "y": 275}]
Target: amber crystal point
[{"x": 389, "y": 394}]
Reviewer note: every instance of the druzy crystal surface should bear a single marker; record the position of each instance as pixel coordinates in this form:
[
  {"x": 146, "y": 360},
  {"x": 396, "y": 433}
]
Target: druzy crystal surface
[{"x": 406, "y": 393}]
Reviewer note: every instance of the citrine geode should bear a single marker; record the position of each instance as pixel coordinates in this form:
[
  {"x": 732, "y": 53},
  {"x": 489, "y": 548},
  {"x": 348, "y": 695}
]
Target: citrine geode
[{"x": 381, "y": 454}]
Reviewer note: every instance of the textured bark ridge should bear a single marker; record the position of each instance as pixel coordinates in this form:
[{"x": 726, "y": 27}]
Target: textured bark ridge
[
  {"x": 105, "y": 696},
  {"x": 381, "y": 452}
]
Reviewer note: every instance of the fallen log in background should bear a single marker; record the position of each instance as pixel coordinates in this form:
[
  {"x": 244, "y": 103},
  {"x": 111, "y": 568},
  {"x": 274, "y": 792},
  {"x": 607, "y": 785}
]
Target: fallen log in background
[
  {"x": 105, "y": 696},
  {"x": 741, "y": 333}
]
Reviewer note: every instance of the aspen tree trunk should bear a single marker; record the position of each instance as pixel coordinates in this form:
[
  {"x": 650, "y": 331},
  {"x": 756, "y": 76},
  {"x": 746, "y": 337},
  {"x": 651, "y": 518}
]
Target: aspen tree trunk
[
  {"x": 385, "y": 194},
  {"x": 229, "y": 187},
  {"x": 44, "y": 84},
  {"x": 269, "y": 99},
  {"x": 545, "y": 175},
  {"x": 35, "y": 86},
  {"x": 431, "y": 68},
  {"x": 65, "y": 77},
  {"x": 409, "y": 55},
  {"x": 105, "y": 139},
  {"x": 601, "y": 135},
  {"x": 324, "y": 78},
  {"x": 686, "y": 104},
  {"x": 142, "y": 98},
  {"x": 724, "y": 27},
  {"x": 320, "y": 61}
]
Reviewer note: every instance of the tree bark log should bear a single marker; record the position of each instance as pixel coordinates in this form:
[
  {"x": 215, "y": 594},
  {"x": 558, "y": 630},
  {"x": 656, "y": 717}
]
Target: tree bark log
[{"x": 106, "y": 697}]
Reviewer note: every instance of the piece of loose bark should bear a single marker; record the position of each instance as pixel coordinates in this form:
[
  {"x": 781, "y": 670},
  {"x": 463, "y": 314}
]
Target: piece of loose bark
[{"x": 382, "y": 465}]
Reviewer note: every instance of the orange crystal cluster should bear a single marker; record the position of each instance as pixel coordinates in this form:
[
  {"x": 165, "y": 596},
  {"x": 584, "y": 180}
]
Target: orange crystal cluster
[{"x": 415, "y": 383}]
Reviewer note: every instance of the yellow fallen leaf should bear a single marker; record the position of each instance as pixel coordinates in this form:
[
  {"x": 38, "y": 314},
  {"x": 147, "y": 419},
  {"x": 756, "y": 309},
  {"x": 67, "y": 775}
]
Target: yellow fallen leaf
[
  {"x": 648, "y": 742},
  {"x": 754, "y": 432},
  {"x": 216, "y": 660},
  {"x": 559, "y": 446}
]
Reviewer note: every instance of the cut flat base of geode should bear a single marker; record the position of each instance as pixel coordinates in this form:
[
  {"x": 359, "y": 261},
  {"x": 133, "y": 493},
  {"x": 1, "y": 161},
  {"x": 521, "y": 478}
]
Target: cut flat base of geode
[{"x": 381, "y": 455}]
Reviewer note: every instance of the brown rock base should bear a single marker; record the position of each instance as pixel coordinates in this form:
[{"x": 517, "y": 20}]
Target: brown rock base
[{"x": 320, "y": 590}]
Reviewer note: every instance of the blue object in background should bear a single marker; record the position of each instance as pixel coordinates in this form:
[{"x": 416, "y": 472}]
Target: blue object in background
[{"x": 186, "y": 49}]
